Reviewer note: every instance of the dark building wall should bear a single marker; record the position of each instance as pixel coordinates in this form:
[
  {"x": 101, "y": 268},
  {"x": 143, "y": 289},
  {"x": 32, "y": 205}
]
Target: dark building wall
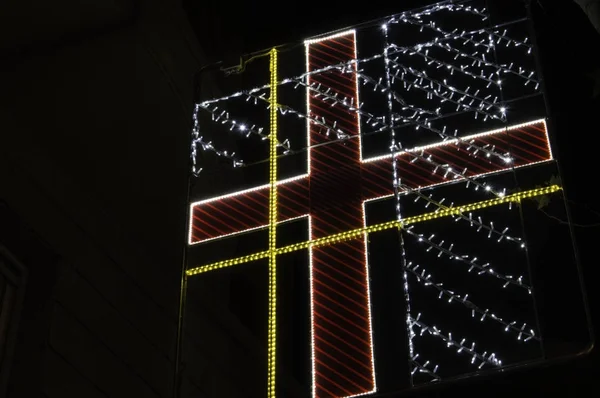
[{"x": 95, "y": 112}]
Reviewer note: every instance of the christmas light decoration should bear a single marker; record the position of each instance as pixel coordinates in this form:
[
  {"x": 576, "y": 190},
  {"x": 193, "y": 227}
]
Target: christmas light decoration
[
  {"x": 464, "y": 99},
  {"x": 339, "y": 181},
  {"x": 227, "y": 214},
  {"x": 476, "y": 223},
  {"x": 404, "y": 223},
  {"x": 462, "y": 346},
  {"x": 425, "y": 278},
  {"x": 272, "y": 330}
]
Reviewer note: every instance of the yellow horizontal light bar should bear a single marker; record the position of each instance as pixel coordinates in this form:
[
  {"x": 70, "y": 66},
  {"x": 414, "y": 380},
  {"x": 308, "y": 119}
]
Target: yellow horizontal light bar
[
  {"x": 453, "y": 211},
  {"x": 343, "y": 236},
  {"x": 227, "y": 263}
]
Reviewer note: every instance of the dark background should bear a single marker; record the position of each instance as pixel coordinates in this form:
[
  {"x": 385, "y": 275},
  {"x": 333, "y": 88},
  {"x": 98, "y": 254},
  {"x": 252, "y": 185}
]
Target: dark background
[{"x": 95, "y": 112}]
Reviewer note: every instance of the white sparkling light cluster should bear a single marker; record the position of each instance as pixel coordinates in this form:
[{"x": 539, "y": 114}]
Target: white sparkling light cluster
[
  {"x": 472, "y": 262},
  {"x": 480, "y": 67},
  {"x": 486, "y": 227},
  {"x": 482, "y": 104},
  {"x": 425, "y": 278},
  {"x": 459, "y": 55},
  {"x": 198, "y": 142}
]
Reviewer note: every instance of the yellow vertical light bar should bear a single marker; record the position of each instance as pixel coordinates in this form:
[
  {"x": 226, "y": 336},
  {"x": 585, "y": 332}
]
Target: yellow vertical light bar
[{"x": 272, "y": 329}]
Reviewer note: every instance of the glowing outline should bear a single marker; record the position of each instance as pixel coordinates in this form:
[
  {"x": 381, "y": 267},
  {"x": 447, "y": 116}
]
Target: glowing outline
[
  {"x": 273, "y": 251},
  {"x": 356, "y": 233}
]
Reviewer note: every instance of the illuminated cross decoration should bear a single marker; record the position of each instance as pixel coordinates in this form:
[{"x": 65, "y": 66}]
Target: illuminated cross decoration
[{"x": 332, "y": 195}]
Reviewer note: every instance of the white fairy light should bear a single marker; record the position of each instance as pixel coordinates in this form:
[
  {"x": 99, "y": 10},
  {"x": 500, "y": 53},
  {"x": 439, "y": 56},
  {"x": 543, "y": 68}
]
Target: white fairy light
[
  {"x": 445, "y": 97},
  {"x": 474, "y": 223},
  {"x": 425, "y": 278},
  {"x": 198, "y": 141},
  {"x": 461, "y": 346}
]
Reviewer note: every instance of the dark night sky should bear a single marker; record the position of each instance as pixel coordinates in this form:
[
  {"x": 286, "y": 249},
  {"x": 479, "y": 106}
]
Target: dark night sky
[{"x": 253, "y": 26}]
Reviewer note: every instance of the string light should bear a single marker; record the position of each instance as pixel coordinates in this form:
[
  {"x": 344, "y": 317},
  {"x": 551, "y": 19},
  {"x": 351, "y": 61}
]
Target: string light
[
  {"x": 425, "y": 279},
  {"x": 199, "y": 142},
  {"x": 434, "y": 88},
  {"x": 222, "y": 116},
  {"x": 284, "y": 109},
  {"x": 446, "y": 169},
  {"x": 475, "y": 223},
  {"x": 273, "y": 144},
  {"x": 404, "y": 223},
  {"x": 471, "y": 46},
  {"x": 461, "y": 346},
  {"x": 322, "y": 384},
  {"x": 394, "y": 147},
  {"x": 423, "y": 368},
  {"x": 240, "y": 195},
  {"x": 471, "y": 261},
  {"x": 462, "y": 98},
  {"x": 414, "y": 120}
]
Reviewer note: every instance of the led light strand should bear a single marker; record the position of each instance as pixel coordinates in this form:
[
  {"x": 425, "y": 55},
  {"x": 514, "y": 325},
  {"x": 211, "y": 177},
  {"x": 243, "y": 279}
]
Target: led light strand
[
  {"x": 425, "y": 279},
  {"x": 345, "y": 102},
  {"x": 470, "y": 139},
  {"x": 420, "y": 118},
  {"x": 365, "y": 235},
  {"x": 235, "y": 95},
  {"x": 479, "y": 61},
  {"x": 460, "y": 175},
  {"x": 485, "y": 358},
  {"x": 517, "y": 43},
  {"x": 513, "y": 198},
  {"x": 438, "y": 40},
  {"x": 284, "y": 109},
  {"x": 273, "y": 144},
  {"x": 223, "y": 117},
  {"x": 456, "y": 140},
  {"x": 198, "y": 141},
  {"x": 393, "y": 146},
  {"x": 449, "y": 95},
  {"x": 475, "y": 223},
  {"x": 443, "y": 6},
  {"x": 393, "y": 149},
  {"x": 431, "y": 25},
  {"x": 469, "y": 37},
  {"x": 463, "y": 69},
  {"x": 414, "y": 119},
  {"x": 423, "y": 368},
  {"x": 345, "y": 64},
  {"x": 209, "y": 147},
  {"x": 466, "y": 259},
  {"x": 344, "y": 236}
]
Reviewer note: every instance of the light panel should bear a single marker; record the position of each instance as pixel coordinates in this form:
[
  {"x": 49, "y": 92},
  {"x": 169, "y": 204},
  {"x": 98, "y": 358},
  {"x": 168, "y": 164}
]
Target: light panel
[
  {"x": 331, "y": 86},
  {"x": 348, "y": 235}
]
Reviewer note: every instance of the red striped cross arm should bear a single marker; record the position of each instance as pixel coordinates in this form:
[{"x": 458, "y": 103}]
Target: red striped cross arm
[{"x": 247, "y": 210}]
